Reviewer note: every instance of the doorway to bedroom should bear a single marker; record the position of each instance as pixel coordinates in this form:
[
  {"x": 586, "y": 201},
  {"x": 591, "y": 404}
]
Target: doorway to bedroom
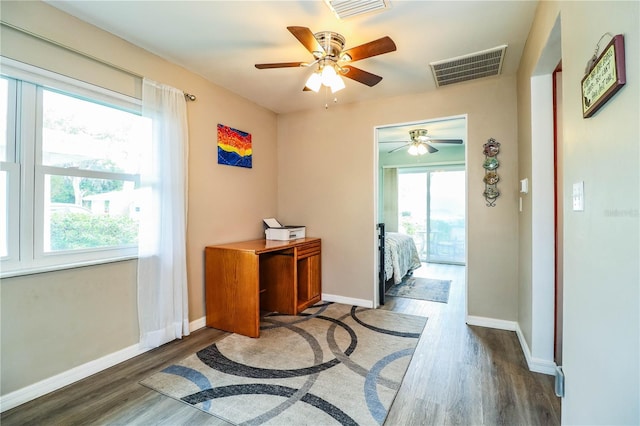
[{"x": 421, "y": 197}]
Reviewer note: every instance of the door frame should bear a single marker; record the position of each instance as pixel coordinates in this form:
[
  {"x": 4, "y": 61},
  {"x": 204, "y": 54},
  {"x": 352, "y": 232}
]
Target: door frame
[{"x": 376, "y": 282}]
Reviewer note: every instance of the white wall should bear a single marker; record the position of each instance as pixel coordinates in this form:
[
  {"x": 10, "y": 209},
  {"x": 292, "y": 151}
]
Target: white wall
[
  {"x": 541, "y": 195},
  {"x": 602, "y": 244}
]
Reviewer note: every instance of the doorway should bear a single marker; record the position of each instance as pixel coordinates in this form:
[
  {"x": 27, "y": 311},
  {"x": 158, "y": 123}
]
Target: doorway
[{"x": 423, "y": 195}]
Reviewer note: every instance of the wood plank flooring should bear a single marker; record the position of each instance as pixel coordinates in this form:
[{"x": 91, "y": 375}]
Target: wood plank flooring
[
  {"x": 459, "y": 375},
  {"x": 465, "y": 375}
]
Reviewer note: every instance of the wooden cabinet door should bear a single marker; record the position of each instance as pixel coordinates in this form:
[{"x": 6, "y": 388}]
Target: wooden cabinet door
[
  {"x": 309, "y": 275},
  {"x": 309, "y": 278}
]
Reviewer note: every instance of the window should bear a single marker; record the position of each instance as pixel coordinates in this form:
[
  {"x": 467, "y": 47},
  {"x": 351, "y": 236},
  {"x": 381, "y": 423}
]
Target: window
[
  {"x": 431, "y": 205},
  {"x": 70, "y": 163}
]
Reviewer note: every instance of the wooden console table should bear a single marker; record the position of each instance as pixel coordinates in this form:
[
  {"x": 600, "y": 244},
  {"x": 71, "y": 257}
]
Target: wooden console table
[{"x": 242, "y": 279}]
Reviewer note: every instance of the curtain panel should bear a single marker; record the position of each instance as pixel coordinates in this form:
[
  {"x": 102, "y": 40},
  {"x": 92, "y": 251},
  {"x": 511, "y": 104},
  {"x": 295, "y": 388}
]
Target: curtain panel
[
  {"x": 162, "y": 271},
  {"x": 390, "y": 199}
]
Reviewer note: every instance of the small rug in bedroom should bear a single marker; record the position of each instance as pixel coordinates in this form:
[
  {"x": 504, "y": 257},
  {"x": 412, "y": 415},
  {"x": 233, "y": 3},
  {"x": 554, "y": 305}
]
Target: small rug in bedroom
[
  {"x": 421, "y": 288},
  {"x": 332, "y": 364}
]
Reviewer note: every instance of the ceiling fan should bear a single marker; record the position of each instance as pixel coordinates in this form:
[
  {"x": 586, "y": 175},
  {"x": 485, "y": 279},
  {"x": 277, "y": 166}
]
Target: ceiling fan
[
  {"x": 420, "y": 143},
  {"x": 327, "y": 50}
]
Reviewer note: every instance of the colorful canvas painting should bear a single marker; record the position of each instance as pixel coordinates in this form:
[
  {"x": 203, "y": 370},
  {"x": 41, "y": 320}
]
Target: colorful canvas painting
[{"x": 234, "y": 147}]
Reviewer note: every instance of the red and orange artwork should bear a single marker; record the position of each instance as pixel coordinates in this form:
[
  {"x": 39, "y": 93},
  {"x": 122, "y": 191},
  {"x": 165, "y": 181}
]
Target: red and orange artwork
[{"x": 234, "y": 147}]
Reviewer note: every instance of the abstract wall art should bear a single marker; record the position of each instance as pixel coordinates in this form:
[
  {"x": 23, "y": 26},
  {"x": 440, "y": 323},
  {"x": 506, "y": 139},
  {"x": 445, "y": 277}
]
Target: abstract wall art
[{"x": 234, "y": 147}]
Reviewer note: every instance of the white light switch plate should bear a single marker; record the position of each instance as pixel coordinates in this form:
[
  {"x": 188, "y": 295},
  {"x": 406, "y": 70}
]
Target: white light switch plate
[{"x": 578, "y": 197}]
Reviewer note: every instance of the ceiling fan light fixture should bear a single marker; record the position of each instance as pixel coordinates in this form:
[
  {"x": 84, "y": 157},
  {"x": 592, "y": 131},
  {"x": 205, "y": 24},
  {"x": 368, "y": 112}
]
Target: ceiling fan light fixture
[
  {"x": 337, "y": 84},
  {"x": 328, "y": 75},
  {"x": 413, "y": 149},
  {"x": 422, "y": 149},
  {"x": 314, "y": 81}
]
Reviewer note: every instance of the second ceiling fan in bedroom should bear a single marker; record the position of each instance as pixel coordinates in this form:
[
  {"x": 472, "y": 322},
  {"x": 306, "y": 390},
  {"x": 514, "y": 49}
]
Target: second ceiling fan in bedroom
[
  {"x": 420, "y": 143},
  {"x": 327, "y": 48}
]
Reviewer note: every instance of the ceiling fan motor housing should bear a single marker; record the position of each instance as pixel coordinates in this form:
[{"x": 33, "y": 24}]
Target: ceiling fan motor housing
[
  {"x": 331, "y": 42},
  {"x": 419, "y": 135}
]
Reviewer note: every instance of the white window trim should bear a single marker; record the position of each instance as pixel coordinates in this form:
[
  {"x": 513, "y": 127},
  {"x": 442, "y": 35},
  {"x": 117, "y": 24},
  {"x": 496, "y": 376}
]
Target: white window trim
[
  {"x": 22, "y": 71},
  {"x": 25, "y": 250}
]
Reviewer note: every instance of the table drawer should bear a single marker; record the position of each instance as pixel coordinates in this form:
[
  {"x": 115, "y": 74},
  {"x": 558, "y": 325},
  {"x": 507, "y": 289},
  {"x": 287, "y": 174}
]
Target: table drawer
[{"x": 308, "y": 249}]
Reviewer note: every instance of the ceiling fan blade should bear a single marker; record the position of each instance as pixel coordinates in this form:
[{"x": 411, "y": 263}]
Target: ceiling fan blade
[
  {"x": 458, "y": 141},
  {"x": 431, "y": 149},
  {"x": 306, "y": 37},
  {"x": 279, "y": 65},
  {"x": 398, "y": 148},
  {"x": 373, "y": 48},
  {"x": 360, "y": 76}
]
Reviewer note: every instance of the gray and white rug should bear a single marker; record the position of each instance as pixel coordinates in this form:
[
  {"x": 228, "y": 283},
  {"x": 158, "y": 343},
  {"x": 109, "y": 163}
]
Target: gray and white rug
[
  {"x": 421, "y": 288},
  {"x": 332, "y": 364}
]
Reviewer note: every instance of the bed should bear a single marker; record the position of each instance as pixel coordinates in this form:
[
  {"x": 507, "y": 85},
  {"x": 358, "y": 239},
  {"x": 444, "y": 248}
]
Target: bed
[{"x": 400, "y": 257}]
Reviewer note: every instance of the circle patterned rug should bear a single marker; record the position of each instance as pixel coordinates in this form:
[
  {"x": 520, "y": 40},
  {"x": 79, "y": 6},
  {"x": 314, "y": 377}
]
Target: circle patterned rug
[{"x": 331, "y": 364}]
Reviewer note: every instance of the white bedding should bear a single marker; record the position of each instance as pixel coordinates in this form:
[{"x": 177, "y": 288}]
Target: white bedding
[{"x": 400, "y": 256}]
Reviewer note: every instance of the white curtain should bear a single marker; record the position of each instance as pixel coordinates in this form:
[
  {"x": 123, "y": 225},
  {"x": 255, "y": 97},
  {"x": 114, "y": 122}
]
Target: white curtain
[
  {"x": 390, "y": 199},
  {"x": 162, "y": 270}
]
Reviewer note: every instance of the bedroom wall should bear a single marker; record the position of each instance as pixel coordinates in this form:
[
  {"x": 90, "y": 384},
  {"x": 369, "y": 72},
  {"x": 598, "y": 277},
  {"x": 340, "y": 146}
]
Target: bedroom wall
[
  {"x": 601, "y": 301},
  {"x": 53, "y": 322},
  {"x": 326, "y": 182}
]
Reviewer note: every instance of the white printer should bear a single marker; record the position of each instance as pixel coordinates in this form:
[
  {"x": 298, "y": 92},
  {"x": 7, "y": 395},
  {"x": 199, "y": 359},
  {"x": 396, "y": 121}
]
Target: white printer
[{"x": 275, "y": 231}]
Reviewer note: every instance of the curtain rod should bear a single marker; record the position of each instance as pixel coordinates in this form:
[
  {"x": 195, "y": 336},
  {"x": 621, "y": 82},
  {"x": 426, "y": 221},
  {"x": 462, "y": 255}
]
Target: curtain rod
[{"x": 188, "y": 96}]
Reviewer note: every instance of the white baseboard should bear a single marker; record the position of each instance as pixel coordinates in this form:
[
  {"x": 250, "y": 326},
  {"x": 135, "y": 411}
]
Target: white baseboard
[
  {"x": 198, "y": 324},
  {"x": 65, "y": 378},
  {"x": 492, "y": 323},
  {"x": 537, "y": 365},
  {"x": 43, "y": 387},
  {"x": 347, "y": 300}
]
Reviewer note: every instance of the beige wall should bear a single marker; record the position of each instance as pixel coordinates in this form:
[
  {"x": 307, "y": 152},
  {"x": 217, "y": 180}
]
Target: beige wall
[
  {"x": 538, "y": 38},
  {"x": 602, "y": 244},
  {"x": 326, "y": 181},
  {"x": 225, "y": 204},
  {"x": 55, "y": 321}
]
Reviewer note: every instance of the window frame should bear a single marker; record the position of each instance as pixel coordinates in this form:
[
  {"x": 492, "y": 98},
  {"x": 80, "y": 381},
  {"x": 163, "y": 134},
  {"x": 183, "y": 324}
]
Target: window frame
[
  {"x": 11, "y": 167},
  {"x": 26, "y": 173}
]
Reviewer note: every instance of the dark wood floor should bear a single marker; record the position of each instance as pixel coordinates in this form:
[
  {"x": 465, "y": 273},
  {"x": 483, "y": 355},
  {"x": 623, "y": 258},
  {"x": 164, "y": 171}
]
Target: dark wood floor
[
  {"x": 465, "y": 375},
  {"x": 459, "y": 375}
]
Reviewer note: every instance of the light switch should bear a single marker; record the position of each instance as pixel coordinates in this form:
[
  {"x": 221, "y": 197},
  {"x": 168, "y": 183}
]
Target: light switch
[
  {"x": 578, "y": 197},
  {"x": 524, "y": 186}
]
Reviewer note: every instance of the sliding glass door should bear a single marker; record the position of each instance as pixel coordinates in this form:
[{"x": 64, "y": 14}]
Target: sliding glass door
[{"x": 431, "y": 209}]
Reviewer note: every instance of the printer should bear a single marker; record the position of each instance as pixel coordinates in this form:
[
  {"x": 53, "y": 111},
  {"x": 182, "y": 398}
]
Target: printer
[{"x": 275, "y": 231}]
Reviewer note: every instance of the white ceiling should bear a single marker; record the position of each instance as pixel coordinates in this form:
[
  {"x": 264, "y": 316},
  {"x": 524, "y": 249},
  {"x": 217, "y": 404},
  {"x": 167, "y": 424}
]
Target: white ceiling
[{"x": 222, "y": 40}]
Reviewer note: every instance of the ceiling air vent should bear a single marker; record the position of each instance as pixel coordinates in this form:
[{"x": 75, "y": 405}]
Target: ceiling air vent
[
  {"x": 469, "y": 67},
  {"x": 349, "y": 8}
]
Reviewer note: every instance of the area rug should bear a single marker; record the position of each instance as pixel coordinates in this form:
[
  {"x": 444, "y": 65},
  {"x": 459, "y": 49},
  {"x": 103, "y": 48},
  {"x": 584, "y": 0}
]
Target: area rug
[
  {"x": 422, "y": 288},
  {"x": 332, "y": 364}
]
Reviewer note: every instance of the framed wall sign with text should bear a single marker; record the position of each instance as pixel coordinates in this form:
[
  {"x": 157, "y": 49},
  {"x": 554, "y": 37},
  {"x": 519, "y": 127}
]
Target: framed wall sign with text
[{"x": 605, "y": 78}]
